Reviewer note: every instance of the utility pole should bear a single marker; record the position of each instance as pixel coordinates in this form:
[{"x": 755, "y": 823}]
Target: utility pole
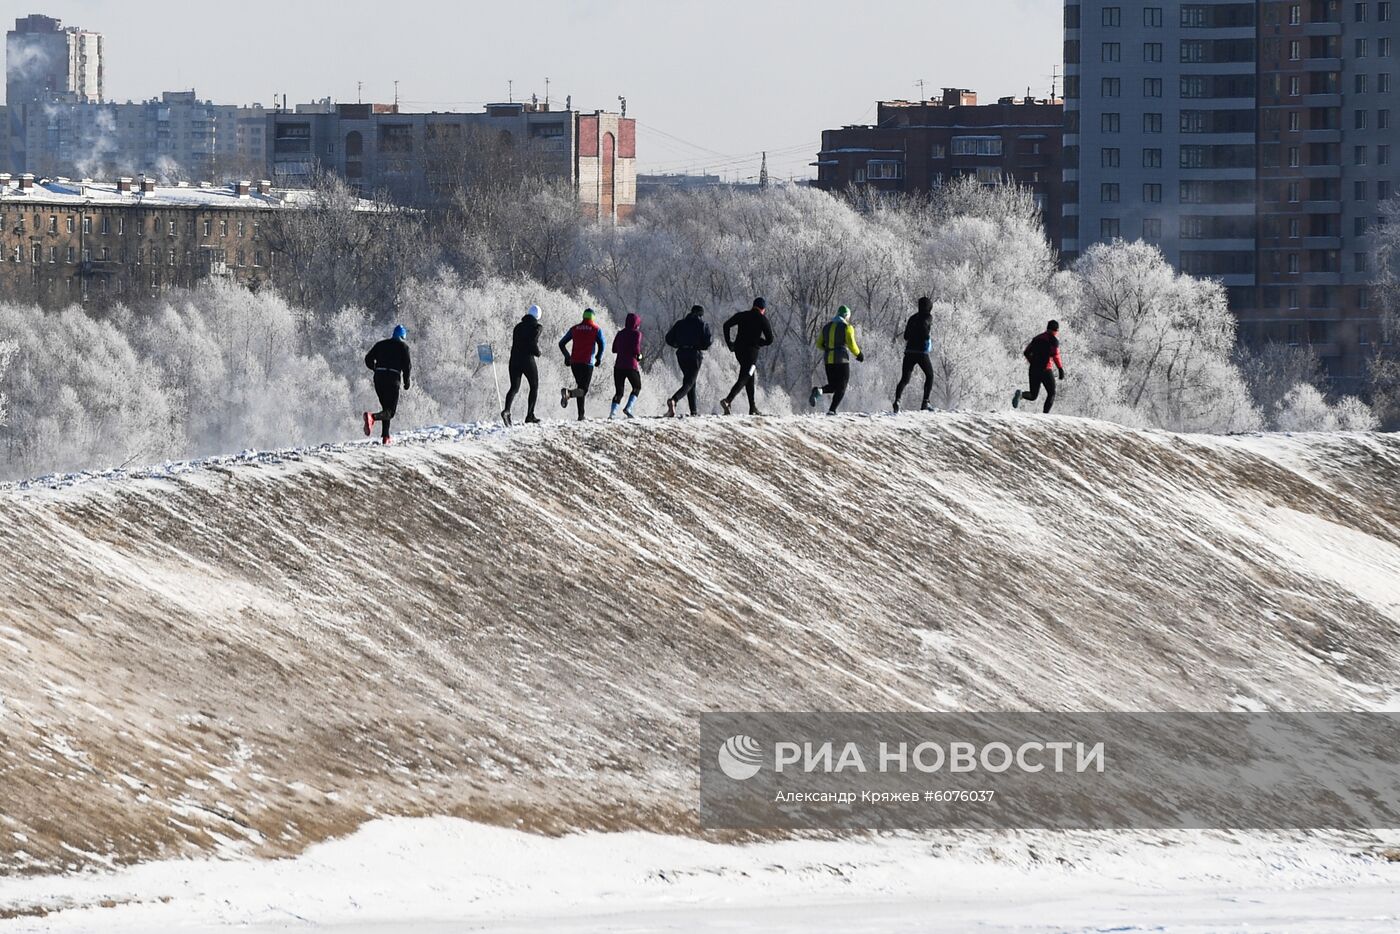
[
  {"x": 920, "y": 83},
  {"x": 359, "y": 92},
  {"x": 396, "y": 97},
  {"x": 546, "y": 94},
  {"x": 763, "y": 172},
  {"x": 510, "y": 91}
]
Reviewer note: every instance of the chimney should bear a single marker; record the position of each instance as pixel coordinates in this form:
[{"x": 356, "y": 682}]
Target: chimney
[
  {"x": 26, "y": 182},
  {"x": 148, "y": 185},
  {"x": 242, "y": 188},
  {"x": 124, "y": 185},
  {"x": 264, "y": 186},
  {"x": 4, "y": 180}
]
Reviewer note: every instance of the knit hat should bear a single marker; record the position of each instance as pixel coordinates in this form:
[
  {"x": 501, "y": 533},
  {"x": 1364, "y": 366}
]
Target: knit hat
[
  {"x": 1053, "y": 326},
  {"x": 926, "y": 304},
  {"x": 588, "y": 314},
  {"x": 760, "y": 303},
  {"x": 698, "y": 310},
  {"x": 843, "y": 312},
  {"x": 533, "y": 311},
  {"x": 400, "y": 332}
]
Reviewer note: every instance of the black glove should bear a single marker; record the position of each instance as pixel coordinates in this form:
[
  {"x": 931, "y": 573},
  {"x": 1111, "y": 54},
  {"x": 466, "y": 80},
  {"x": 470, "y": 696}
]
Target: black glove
[
  {"x": 860, "y": 357},
  {"x": 405, "y": 382},
  {"x": 566, "y": 359},
  {"x": 730, "y": 346},
  {"x": 1062, "y": 374}
]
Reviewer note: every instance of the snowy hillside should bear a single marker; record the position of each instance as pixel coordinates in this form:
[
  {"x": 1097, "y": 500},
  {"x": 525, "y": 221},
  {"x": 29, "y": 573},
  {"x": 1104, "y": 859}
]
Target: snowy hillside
[{"x": 263, "y": 652}]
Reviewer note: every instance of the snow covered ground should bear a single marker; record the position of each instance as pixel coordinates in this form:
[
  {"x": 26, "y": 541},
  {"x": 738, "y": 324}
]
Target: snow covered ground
[
  {"x": 250, "y": 656},
  {"x": 444, "y": 875}
]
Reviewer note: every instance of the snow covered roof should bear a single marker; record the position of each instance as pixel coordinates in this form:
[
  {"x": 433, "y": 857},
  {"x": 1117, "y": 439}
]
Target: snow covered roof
[{"x": 63, "y": 192}]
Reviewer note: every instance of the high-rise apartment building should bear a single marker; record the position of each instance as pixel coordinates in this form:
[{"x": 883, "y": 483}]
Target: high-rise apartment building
[
  {"x": 46, "y": 64},
  {"x": 1251, "y": 141}
]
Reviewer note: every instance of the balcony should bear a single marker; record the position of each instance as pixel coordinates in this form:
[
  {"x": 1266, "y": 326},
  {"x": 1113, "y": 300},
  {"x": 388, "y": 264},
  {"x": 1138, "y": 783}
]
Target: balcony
[
  {"x": 1322, "y": 171},
  {"x": 1323, "y": 64},
  {"x": 1322, "y": 136},
  {"x": 1322, "y": 207},
  {"x": 1322, "y": 29},
  {"x": 1322, "y": 243}
]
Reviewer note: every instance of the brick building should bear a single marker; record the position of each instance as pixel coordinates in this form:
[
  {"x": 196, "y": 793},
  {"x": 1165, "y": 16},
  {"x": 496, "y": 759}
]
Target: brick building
[
  {"x": 414, "y": 157},
  {"x": 914, "y": 146},
  {"x": 77, "y": 241}
]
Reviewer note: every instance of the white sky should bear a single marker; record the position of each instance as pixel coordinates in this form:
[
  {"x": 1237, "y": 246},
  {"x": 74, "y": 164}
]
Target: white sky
[{"x": 710, "y": 83}]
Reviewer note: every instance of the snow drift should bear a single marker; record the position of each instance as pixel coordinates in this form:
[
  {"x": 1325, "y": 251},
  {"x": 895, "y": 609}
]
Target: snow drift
[{"x": 518, "y": 628}]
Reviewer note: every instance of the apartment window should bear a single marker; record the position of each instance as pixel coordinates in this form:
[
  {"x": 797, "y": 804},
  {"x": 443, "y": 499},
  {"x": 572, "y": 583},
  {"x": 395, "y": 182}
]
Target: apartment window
[
  {"x": 72, "y": 255},
  {"x": 172, "y": 226},
  {"x": 1362, "y": 83},
  {"x": 1193, "y": 15},
  {"x": 1361, "y": 12},
  {"x": 1383, "y": 189},
  {"x": 1359, "y": 156},
  {"x": 1383, "y": 12},
  {"x": 1383, "y": 83},
  {"x": 1358, "y": 262},
  {"x": 53, "y": 254},
  {"x": 1113, "y": 16},
  {"x": 208, "y": 227},
  {"x": 1383, "y": 47},
  {"x": 1293, "y": 157},
  {"x": 936, "y": 151},
  {"x": 87, "y": 225},
  {"x": 1295, "y": 86},
  {"x": 874, "y": 169},
  {"x": 243, "y": 225},
  {"x": 1152, "y": 17},
  {"x": 258, "y": 258},
  {"x": 1152, "y": 228},
  {"x": 1193, "y": 121},
  {"x": 223, "y": 224},
  {"x": 1151, "y": 87},
  {"x": 1152, "y": 51},
  {"x": 1360, "y": 119},
  {"x": 1110, "y": 228},
  {"x": 241, "y": 258},
  {"x": 1362, "y": 47},
  {"x": 1359, "y": 227},
  {"x": 1295, "y": 192},
  {"x": 71, "y": 226},
  {"x": 962, "y": 146},
  {"x": 1358, "y": 190},
  {"x": 1193, "y": 50},
  {"x": 172, "y": 257},
  {"x": 1295, "y": 228},
  {"x": 1109, "y": 123},
  {"x": 1152, "y": 193},
  {"x": 121, "y": 225},
  {"x": 1293, "y": 264},
  {"x": 1295, "y": 50},
  {"x": 53, "y": 224},
  {"x": 1108, "y": 193},
  {"x": 1111, "y": 52},
  {"x": 106, "y": 226},
  {"x": 1109, "y": 158},
  {"x": 1383, "y": 119},
  {"x": 1152, "y": 158},
  {"x": 36, "y": 255},
  {"x": 1072, "y": 12},
  {"x": 1295, "y": 121},
  {"x": 1295, "y": 14},
  {"x": 1151, "y": 123}
]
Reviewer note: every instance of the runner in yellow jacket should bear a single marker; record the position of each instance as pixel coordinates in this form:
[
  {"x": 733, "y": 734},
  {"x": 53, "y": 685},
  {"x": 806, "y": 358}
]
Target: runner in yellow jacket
[{"x": 837, "y": 341}]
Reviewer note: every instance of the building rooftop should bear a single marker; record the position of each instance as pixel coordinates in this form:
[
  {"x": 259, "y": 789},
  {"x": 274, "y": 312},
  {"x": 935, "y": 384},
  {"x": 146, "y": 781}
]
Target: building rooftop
[{"x": 23, "y": 190}]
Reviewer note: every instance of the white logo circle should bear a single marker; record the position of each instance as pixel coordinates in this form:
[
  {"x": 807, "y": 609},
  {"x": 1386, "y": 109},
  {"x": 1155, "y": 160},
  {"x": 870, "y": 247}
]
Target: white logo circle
[{"x": 740, "y": 757}]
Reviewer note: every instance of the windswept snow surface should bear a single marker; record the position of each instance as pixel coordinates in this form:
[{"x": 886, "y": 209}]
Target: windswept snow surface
[{"x": 249, "y": 655}]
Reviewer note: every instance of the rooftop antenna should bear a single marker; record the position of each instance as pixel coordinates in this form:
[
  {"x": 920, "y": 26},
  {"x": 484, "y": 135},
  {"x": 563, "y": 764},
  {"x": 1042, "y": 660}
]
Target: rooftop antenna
[
  {"x": 920, "y": 83},
  {"x": 763, "y": 172},
  {"x": 623, "y": 101},
  {"x": 359, "y": 92},
  {"x": 1054, "y": 81},
  {"x": 510, "y": 91},
  {"x": 396, "y": 97},
  {"x": 546, "y": 93}
]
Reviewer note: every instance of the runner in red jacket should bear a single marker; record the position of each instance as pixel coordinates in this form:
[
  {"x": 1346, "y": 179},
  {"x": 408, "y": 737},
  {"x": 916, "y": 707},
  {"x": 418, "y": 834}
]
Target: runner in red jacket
[
  {"x": 582, "y": 347},
  {"x": 1043, "y": 355}
]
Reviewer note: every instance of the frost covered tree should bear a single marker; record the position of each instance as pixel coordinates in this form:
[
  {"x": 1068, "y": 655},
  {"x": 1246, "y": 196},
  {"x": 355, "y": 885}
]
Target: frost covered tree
[{"x": 1169, "y": 334}]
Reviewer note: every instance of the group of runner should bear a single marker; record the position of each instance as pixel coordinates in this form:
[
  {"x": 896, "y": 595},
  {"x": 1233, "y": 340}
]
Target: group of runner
[{"x": 745, "y": 334}]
